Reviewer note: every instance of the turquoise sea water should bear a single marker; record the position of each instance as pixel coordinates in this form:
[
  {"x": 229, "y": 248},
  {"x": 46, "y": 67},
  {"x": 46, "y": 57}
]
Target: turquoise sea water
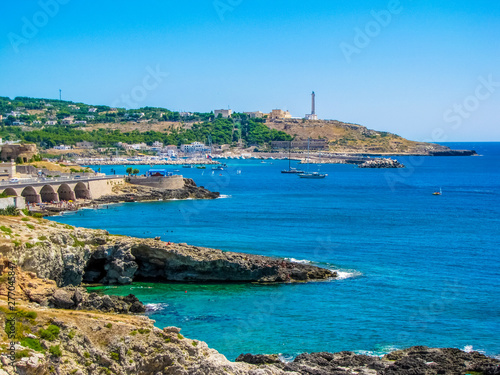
[{"x": 416, "y": 269}]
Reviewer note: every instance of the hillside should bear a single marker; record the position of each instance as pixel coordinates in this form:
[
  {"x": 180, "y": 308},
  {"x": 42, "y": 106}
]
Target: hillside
[
  {"x": 52, "y": 122},
  {"x": 351, "y": 138}
]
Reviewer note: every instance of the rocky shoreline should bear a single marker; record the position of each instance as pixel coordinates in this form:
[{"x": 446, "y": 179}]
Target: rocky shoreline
[
  {"x": 57, "y": 334},
  {"x": 71, "y": 256},
  {"x": 139, "y": 193},
  {"x": 62, "y": 329}
]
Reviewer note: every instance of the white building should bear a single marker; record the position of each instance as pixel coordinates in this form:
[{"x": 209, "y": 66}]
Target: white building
[
  {"x": 67, "y": 121},
  {"x": 257, "y": 114},
  {"x": 37, "y": 122},
  {"x": 62, "y": 147},
  {"x": 157, "y": 144},
  {"x": 81, "y": 122},
  {"x": 93, "y": 110},
  {"x": 194, "y": 147},
  {"x": 139, "y": 146},
  {"x": 85, "y": 144},
  {"x": 51, "y": 122},
  {"x": 226, "y": 113}
]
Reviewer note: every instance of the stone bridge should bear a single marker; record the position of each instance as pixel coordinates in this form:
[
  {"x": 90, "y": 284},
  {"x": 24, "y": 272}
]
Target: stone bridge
[{"x": 43, "y": 191}]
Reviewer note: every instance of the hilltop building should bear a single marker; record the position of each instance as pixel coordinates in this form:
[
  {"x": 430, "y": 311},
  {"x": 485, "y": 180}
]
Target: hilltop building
[
  {"x": 257, "y": 114},
  {"x": 226, "y": 113},
  {"x": 279, "y": 114}
]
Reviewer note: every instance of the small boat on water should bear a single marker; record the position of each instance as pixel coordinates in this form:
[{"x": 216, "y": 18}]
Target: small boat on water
[
  {"x": 290, "y": 169},
  {"x": 201, "y": 167},
  {"x": 311, "y": 175},
  {"x": 440, "y": 192},
  {"x": 314, "y": 175},
  {"x": 218, "y": 168},
  {"x": 187, "y": 166}
]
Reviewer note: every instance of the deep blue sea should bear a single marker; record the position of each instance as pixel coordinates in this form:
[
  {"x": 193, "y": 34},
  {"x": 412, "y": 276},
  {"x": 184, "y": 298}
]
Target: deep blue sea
[{"x": 416, "y": 269}]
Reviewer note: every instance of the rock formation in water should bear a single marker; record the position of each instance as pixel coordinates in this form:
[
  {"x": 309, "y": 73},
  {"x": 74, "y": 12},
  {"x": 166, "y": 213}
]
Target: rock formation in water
[
  {"x": 381, "y": 163},
  {"x": 129, "y": 192},
  {"x": 71, "y": 256},
  {"x": 418, "y": 360}
]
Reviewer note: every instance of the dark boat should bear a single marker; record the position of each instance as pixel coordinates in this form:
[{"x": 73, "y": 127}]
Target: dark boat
[{"x": 290, "y": 169}]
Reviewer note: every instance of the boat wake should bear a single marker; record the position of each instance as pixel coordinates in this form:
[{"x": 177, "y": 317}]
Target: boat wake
[{"x": 224, "y": 196}]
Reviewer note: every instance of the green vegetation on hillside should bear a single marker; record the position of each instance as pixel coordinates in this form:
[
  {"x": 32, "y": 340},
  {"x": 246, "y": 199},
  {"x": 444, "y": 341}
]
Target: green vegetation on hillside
[{"x": 220, "y": 130}]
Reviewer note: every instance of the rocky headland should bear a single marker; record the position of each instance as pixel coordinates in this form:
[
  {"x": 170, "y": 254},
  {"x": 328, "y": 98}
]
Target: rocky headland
[
  {"x": 70, "y": 256},
  {"x": 129, "y": 192}
]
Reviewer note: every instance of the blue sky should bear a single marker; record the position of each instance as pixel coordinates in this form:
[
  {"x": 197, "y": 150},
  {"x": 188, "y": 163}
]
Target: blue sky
[{"x": 427, "y": 70}]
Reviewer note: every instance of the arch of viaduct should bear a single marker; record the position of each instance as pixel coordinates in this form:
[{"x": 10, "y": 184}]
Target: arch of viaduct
[{"x": 48, "y": 191}]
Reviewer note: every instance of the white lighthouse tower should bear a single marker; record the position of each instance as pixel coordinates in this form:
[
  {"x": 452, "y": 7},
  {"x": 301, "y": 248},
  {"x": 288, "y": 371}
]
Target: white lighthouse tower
[{"x": 313, "y": 115}]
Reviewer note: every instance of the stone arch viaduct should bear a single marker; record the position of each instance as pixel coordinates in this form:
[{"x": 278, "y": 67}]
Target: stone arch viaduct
[{"x": 62, "y": 190}]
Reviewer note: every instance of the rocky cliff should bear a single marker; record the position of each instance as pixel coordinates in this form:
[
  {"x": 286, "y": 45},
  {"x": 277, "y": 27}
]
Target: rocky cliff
[
  {"x": 95, "y": 341},
  {"x": 71, "y": 255}
]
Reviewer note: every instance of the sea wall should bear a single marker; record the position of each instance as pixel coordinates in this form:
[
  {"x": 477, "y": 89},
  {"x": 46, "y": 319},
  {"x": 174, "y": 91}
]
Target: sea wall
[{"x": 168, "y": 183}]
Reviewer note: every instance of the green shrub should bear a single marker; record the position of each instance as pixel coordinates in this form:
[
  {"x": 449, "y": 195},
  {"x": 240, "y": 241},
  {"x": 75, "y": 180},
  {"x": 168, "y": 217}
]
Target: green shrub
[
  {"x": 71, "y": 334},
  {"x": 133, "y": 333},
  {"x": 50, "y": 334},
  {"x": 143, "y": 331},
  {"x": 9, "y": 211},
  {"x": 37, "y": 215},
  {"x": 25, "y": 219},
  {"x": 194, "y": 343},
  {"x": 26, "y": 314},
  {"x": 5, "y": 229},
  {"x": 86, "y": 354},
  {"x": 179, "y": 336},
  {"x": 55, "y": 350},
  {"x": 42, "y": 238},
  {"x": 30, "y": 226},
  {"x": 22, "y": 353},
  {"x": 32, "y": 344},
  {"x": 109, "y": 325},
  {"x": 115, "y": 356},
  {"x": 29, "y": 245}
]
